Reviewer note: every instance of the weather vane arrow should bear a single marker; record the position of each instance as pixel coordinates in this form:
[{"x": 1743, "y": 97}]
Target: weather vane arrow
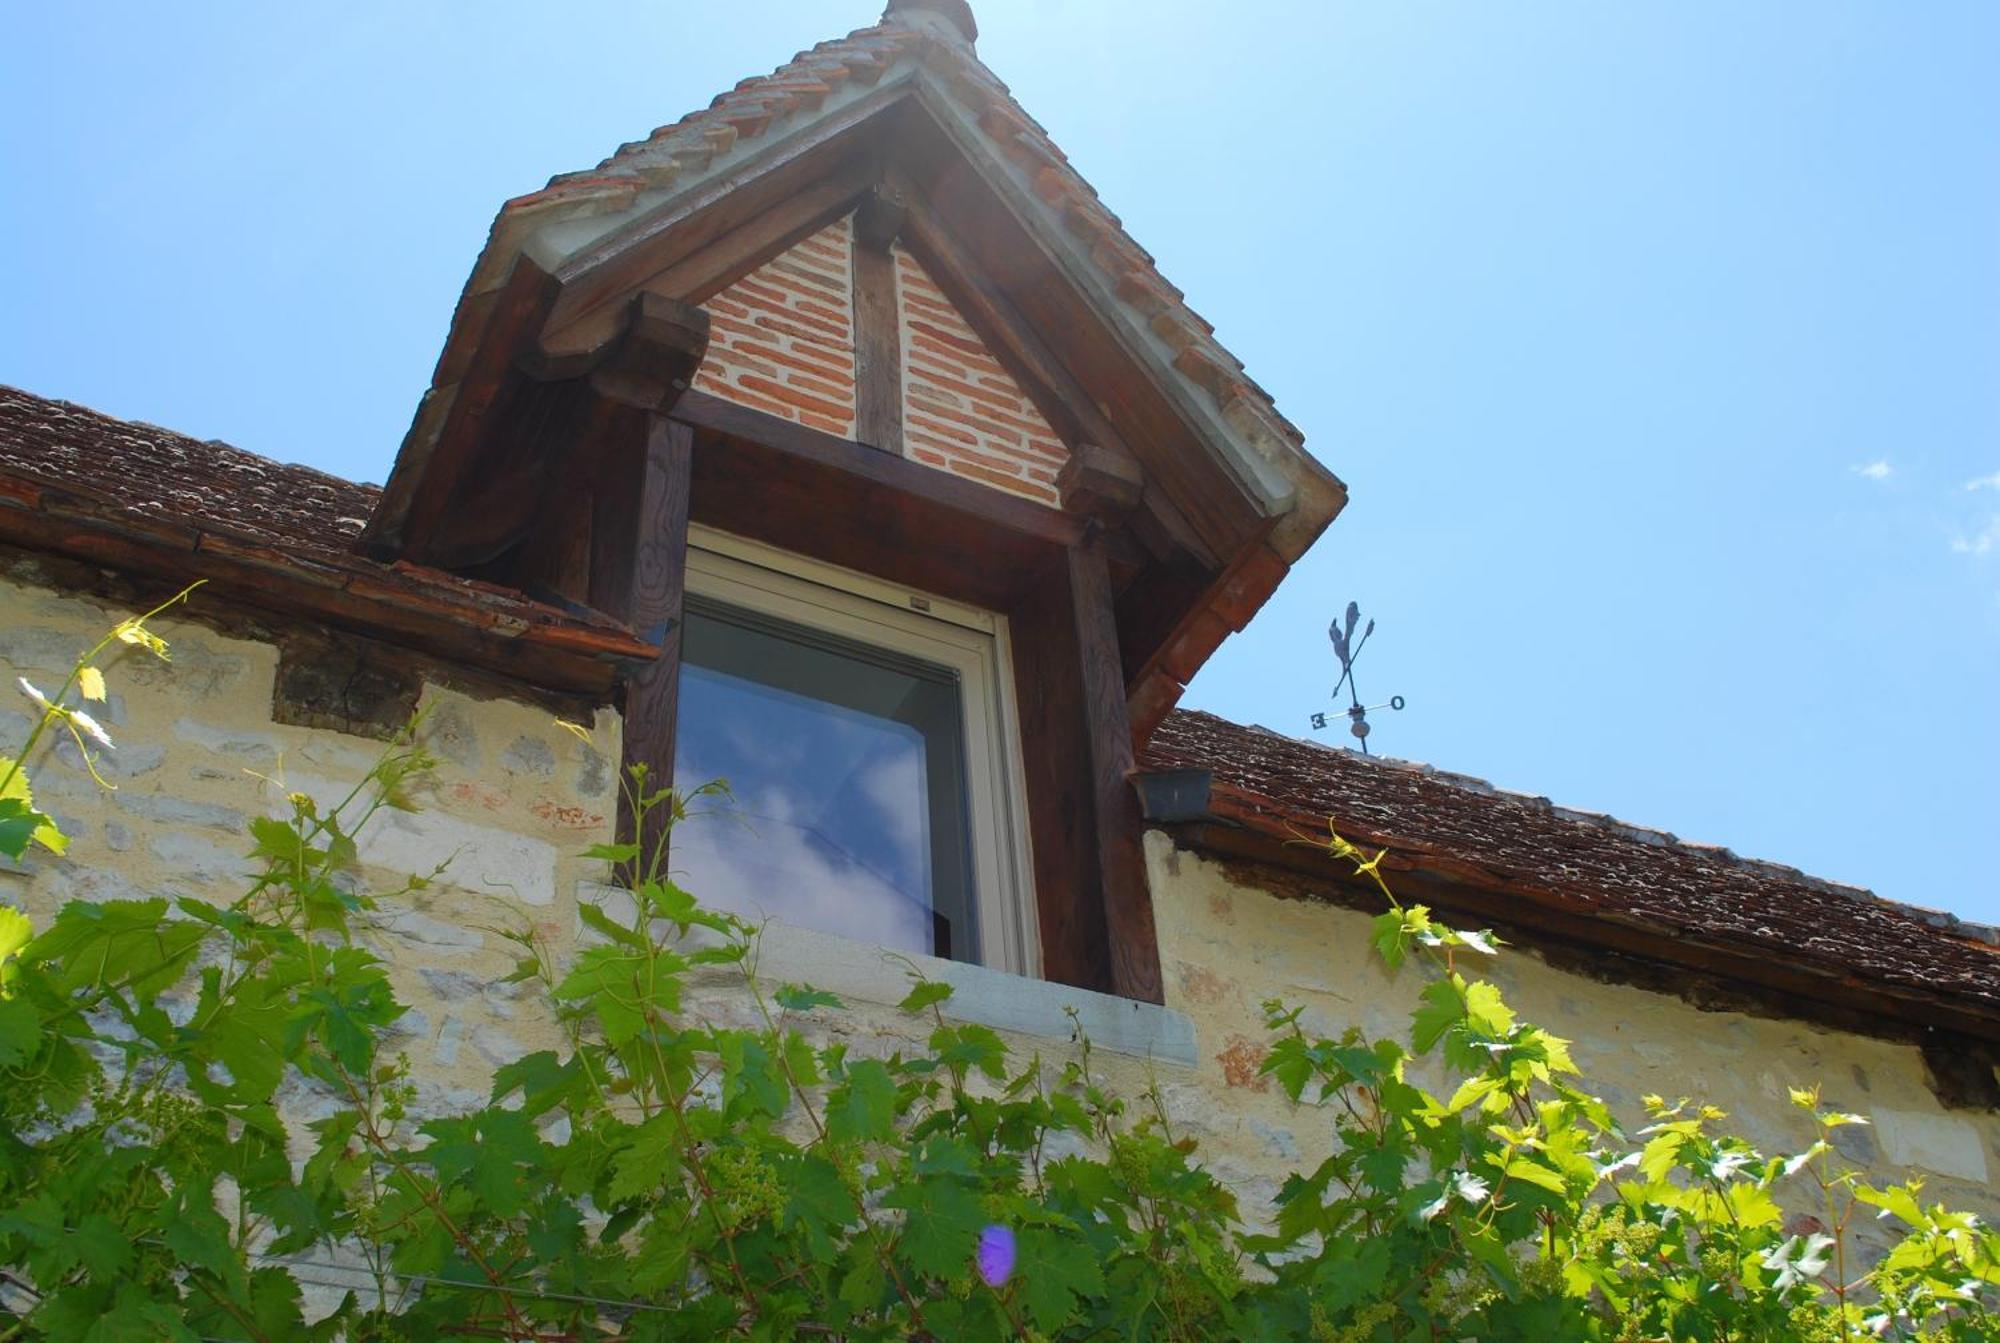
[{"x": 1347, "y": 648}]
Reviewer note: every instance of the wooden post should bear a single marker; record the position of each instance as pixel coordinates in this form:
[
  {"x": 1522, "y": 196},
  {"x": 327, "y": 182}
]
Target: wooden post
[
  {"x": 878, "y": 324},
  {"x": 1056, "y": 765},
  {"x": 1121, "y": 858},
  {"x": 658, "y": 597}
]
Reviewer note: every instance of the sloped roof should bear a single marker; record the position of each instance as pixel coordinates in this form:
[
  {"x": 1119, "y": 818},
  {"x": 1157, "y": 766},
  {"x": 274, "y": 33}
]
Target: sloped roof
[
  {"x": 1470, "y": 832},
  {"x": 81, "y": 482},
  {"x": 63, "y": 462},
  {"x": 581, "y": 214},
  {"x": 154, "y": 473}
]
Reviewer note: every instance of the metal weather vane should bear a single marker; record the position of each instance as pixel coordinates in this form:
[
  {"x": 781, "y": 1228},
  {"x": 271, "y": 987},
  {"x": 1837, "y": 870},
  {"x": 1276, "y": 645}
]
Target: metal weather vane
[{"x": 1347, "y": 648}]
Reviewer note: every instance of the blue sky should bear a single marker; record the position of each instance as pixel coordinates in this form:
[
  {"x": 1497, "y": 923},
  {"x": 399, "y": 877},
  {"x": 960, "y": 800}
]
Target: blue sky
[{"x": 1659, "y": 342}]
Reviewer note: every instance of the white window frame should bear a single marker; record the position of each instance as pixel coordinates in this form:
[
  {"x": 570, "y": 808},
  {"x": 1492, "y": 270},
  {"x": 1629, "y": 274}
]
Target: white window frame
[{"x": 970, "y": 642}]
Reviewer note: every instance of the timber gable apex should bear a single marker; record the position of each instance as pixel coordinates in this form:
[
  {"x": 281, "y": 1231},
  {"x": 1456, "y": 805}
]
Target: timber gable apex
[{"x": 1153, "y": 431}]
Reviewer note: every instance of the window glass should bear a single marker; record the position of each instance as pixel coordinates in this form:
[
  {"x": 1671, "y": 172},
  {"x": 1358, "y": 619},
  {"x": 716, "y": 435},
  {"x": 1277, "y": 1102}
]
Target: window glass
[{"x": 846, "y": 765}]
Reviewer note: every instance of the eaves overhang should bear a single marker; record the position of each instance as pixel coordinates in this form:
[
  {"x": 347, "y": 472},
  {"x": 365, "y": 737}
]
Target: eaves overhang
[{"x": 581, "y": 223}]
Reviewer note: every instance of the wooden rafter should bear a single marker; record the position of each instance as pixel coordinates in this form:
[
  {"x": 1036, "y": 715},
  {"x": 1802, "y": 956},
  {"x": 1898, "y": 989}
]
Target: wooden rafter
[
  {"x": 627, "y": 258},
  {"x": 434, "y": 460},
  {"x": 698, "y": 275}
]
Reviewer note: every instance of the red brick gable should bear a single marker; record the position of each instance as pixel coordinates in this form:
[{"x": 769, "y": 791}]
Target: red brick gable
[
  {"x": 962, "y": 410},
  {"x": 781, "y": 339}
]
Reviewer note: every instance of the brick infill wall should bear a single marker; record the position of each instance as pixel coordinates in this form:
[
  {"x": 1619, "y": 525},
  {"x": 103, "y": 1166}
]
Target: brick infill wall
[
  {"x": 782, "y": 338},
  {"x": 962, "y": 411}
]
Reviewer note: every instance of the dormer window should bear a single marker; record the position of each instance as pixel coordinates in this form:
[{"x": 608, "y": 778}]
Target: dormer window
[
  {"x": 867, "y": 739},
  {"x": 1008, "y": 495}
]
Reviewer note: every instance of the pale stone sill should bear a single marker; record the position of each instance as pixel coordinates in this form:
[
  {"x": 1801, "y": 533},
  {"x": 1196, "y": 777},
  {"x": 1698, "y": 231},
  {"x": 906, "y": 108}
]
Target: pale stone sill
[
  {"x": 867, "y": 973},
  {"x": 862, "y": 972}
]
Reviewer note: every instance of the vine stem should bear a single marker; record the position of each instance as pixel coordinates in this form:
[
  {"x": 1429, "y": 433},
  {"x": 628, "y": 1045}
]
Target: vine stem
[
  {"x": 868, "y": 1227},
  {"x": 385, "y": 1152},
  {"x": 55, "y": 709}
]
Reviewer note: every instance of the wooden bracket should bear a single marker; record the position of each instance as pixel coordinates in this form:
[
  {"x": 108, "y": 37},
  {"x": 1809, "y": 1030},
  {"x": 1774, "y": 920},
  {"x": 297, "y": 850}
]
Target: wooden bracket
[
  {"x": 648, "y": 361},
  {"x": 1098, "y": 482}
]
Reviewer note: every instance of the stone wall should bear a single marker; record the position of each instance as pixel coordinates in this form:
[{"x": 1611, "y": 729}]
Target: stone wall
[
  {"x": 198, "y": 753},
  {"x": 1226, "y": 947},
  {"x": 515, "y": 796}
]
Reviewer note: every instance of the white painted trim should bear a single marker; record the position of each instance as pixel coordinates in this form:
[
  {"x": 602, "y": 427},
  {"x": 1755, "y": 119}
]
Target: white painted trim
[
  {"x": 846, "y": 580},
  {"x": 972, "y": 643}
]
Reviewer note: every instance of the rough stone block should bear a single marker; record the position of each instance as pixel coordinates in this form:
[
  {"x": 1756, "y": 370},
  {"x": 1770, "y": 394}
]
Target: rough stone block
[
  {"x": 172, "y": 810},
  {"x": 481, "y": 857},
  {"x": 530, "y": 755},
  {"x": 435, "y": 934},
  {"x": 451, "y": 734},
  {"x": 256, "y": 749},
  {"x": 1936, "y": 1142},
  {"x": 201, "y": 860}
]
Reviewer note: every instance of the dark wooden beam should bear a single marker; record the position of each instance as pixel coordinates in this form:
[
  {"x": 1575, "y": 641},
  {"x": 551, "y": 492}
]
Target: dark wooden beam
[
  {"x": 517, "y": 518},
  {"x": 981, "y": 506},
  {"x": 617, "y": 490},
  {"x": 1121, "y": 859},
  {"x": 1150, "y": 700},
  {"x": 654, "y": 360},
  {"x": 1056, "y": 763},
  {"x": 878, "y": 324},
  {"x": 658, "y": 597},
  {"x": 879, "y": 219},
  {"x": 714, "y": 266},
  {"x": 956, "y": 213},
  {"x": 790, "y": 166},
  {"x": 1174, "y": 616},
  {"x": 402, "y": 604},
  {"x": 1029, "y": 355},
  {"x": 495, "y": 502},
  {"x": 576, "y": 547},
  {"x": 431, "y": 466},
  {"x": 749, "y": 490}
]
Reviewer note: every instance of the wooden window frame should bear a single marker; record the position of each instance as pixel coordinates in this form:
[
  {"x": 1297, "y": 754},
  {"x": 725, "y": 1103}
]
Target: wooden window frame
[
  {"x": 974, "y": 644},
  {"x": 1046, "y": 573}
]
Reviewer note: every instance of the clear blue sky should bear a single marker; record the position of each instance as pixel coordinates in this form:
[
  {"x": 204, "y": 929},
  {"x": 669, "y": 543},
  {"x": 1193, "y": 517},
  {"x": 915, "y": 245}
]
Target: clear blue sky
[{"x": 1658, "y": 342}]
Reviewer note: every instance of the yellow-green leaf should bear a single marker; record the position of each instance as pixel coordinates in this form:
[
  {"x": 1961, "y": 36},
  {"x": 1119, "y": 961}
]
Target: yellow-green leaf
[
  {"x": 15, "y": 930},
  {"x": 20, "y": 823},
  {"x": 90, "y": 683}
]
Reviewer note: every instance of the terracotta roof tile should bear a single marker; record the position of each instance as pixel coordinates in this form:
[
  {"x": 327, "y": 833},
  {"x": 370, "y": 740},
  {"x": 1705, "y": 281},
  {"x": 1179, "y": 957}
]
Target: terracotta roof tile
[
  {"x": 1513, "y": 841},
  {"x": 226, "y": 500}
]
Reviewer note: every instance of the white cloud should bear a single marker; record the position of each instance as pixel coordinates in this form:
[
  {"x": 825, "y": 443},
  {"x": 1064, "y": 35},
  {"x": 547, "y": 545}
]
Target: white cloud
[
  {"x": 1982, "y": 542},
  {"x": 895, "y": 786},
  {"x": 1874, "y": 471},
  {"x": 1991, "y": 482}
]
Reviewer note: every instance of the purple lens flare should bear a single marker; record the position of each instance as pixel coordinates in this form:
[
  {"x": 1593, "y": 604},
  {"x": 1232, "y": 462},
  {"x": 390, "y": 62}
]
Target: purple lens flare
[{"x": 996, "y": 1255}]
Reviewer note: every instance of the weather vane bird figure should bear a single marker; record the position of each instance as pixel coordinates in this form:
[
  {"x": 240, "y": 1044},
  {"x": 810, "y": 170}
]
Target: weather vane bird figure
[{"x": 1347, "y": 648}]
